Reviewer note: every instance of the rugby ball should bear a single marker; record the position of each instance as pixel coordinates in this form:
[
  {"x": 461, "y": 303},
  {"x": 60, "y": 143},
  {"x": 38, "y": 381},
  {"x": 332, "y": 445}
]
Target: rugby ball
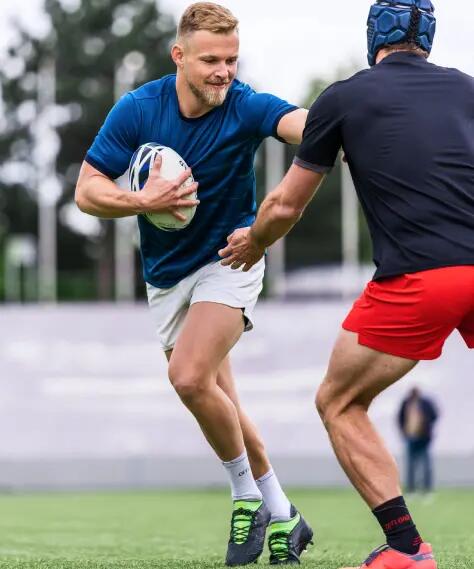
[{"x": 172, "y": 165}]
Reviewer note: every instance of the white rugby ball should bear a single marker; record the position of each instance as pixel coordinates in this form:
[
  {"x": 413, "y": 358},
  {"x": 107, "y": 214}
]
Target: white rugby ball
[{"x": 172, "y": 165}]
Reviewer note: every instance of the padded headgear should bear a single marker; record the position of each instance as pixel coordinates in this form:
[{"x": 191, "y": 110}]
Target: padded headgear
[{"x": 400, "y": 21}]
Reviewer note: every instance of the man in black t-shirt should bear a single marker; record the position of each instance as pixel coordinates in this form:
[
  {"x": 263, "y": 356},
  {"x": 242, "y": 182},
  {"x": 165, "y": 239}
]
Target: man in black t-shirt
[{"x": 407, "y": 130}]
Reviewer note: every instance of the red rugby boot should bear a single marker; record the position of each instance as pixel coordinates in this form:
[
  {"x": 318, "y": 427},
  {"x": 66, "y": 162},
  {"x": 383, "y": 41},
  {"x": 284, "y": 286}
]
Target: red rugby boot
[{"x": 387, "y": 558}]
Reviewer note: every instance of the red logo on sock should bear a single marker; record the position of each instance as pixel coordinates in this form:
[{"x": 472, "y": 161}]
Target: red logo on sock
[{"x": 397, "y": 522}]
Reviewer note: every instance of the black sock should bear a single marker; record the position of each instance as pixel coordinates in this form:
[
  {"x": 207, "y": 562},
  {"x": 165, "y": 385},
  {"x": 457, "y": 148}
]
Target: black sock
[{"x": 398, "y": 527}]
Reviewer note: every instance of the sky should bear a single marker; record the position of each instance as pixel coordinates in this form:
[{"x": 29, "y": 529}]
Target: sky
[{"x": 284, "y": 44}]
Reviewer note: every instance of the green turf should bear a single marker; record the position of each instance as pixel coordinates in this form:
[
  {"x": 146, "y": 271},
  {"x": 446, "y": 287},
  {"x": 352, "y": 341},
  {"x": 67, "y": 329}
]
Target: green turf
[{"x": 189, "y": 529}]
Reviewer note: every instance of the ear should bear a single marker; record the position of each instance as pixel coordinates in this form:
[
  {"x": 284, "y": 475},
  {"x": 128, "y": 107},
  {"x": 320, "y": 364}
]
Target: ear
[{"x": 177, "y": 54}]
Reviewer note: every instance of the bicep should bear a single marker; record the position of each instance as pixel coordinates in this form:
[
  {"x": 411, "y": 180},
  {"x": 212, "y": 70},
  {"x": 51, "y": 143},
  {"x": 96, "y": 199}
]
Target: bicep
[
  {"x": 88, "y": 173},
  {"x": 291, "y": 126},
  {"x": 117, "y": 140}
]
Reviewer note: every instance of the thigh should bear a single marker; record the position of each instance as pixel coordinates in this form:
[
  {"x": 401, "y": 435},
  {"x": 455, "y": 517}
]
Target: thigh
[
  {"x": 209, "y": 332},
  {"x": 359, "y": 373}
]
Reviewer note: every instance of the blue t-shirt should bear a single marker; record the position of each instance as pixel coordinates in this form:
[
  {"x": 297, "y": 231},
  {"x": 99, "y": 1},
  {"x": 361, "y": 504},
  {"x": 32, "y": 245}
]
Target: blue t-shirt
[{"x": 219, "y": 147}]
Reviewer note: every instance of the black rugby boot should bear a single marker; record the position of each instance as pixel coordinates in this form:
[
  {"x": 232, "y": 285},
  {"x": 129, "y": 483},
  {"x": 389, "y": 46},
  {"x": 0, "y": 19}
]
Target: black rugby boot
[
  {"x": 288, "y": 539},
  {"x": 247, "y": 532}
]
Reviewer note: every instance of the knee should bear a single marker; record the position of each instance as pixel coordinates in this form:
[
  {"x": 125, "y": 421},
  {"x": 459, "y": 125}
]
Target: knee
[
  {"x": 332, "y": 402},
  {"x": 325, "y": 401},
  {"x": 189, "y": 383},
  {"x": 335, "y": 399}
]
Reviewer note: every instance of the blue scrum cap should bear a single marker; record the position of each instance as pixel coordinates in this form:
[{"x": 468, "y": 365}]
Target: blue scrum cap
[{"x": 400, "y": 21}]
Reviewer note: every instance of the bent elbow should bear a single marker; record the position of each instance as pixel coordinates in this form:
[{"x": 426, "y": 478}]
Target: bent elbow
[
  {"x": 81, "y": 200},
  {"x": 289, "y": 213}
]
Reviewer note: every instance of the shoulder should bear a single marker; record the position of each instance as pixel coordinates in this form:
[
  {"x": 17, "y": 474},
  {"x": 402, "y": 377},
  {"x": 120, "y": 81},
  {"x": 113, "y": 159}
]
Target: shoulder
[
  {"x": 455, "y": 74},
  {"x": 357, "y": 78},
  {"x": 243, "y": 94},
  {"x": 428, "y": 401},
  {"x": 357, "y": 81},
  {"x": 155, "y": 89},
  {"x": 338, "y": 88},
  {"x": 334, "y": 99},
  {"x": 240, "y": 92}
]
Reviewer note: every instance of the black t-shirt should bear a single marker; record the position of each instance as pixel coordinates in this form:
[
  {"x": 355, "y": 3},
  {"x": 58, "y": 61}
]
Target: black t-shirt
[{"x": 407, "y": 129}]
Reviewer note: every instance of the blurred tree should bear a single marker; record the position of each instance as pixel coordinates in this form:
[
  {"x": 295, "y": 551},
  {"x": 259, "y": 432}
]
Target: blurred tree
[{"x": 93, "y": 42}]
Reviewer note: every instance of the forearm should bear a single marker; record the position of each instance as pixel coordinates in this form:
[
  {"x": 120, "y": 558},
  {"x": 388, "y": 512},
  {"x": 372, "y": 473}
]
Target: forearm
[
  {"x": 274, "y": 220},
  {"x": 283, "y": 207},
  {"x": 101, "y": 197},
  {"x": 279, "y": 212}
]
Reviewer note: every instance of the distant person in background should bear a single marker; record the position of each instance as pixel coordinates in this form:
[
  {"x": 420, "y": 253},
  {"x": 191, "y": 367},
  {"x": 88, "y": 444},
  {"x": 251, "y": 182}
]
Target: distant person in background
[{"x": 416, "y": 420}]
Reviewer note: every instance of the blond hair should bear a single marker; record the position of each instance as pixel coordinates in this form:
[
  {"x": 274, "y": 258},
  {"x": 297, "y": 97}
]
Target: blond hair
[{"x": 207, "y": 16}]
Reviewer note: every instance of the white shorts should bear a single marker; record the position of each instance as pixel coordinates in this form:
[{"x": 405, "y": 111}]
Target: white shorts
[{"x": 211, "y": 283}]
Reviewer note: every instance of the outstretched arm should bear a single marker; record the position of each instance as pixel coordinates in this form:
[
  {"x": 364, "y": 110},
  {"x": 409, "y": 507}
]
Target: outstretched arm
[
  {"x": 291, "y": 126},
  {"x": 279, "y": 212},
  {"x": 283, "y": 207}
]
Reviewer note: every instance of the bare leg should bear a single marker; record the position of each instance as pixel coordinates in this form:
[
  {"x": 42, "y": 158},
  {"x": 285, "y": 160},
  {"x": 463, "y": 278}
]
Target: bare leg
[
  {"x": 356, "y": 375},
  {"x": 209, "y": 332},
  {"x": 258, "y": 458}
]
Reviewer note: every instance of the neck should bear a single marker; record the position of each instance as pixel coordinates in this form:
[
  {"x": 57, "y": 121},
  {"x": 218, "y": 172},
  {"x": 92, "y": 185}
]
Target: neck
[
  {"x": 190, "y": 106},
  {"x": 383, "y": 53}
]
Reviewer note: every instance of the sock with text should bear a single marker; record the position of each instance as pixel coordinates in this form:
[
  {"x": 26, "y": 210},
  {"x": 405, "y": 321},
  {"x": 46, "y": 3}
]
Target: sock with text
[
  {"x": 397, "y": 524},
  {"x": 242, "y": 483}
]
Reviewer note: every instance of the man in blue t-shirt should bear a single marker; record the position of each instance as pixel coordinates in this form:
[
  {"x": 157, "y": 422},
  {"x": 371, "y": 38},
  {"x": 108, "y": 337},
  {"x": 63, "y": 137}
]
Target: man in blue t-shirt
[
  {"x": 406, "y": 127},
  {"x": 201, "y": 308}
]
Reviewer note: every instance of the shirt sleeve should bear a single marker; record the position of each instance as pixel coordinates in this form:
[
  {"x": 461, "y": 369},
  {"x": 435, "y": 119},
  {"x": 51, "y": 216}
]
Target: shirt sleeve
[
  {"x": 264, "y": 112},
  {"x": 322, "y": 138},
  {"x": 117, "y": 140}
]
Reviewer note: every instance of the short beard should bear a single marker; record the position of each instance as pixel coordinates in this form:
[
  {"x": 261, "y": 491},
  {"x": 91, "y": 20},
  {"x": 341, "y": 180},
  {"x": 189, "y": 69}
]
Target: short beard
[{"x": 210, "y": 97}]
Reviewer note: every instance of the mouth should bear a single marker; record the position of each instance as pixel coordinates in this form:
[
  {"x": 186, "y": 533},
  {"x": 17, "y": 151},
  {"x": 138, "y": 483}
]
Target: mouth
[{"x": 219, "y": 85}]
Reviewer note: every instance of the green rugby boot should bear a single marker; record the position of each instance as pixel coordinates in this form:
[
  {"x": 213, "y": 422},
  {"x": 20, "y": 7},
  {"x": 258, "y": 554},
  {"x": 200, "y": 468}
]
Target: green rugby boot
[
  {"x": 247, "y": 532},
  {"x": 288, "y": 539}
]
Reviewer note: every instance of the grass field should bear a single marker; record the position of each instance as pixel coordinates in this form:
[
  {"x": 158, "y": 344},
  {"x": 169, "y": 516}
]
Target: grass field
[{"x": 189, "y": 529}]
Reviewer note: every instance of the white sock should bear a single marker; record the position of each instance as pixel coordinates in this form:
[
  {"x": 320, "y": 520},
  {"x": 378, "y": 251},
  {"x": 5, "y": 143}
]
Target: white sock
[
  {"x": 274, "y": 497},
  {"x": 242, "y": 483}
]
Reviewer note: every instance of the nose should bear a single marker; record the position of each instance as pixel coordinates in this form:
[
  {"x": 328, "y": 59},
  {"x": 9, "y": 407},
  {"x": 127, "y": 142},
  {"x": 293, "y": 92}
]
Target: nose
[{"x": 222, "y": 72}]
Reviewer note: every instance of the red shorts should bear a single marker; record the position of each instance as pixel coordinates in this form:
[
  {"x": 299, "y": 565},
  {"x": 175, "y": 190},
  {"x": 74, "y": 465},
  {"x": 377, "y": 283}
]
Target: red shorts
[{"x": 411, "y": 315}]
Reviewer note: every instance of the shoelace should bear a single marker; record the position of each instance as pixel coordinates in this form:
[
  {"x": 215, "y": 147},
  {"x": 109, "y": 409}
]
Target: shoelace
[
  {"x": 373, "y": 556},
  {"x": 240, "y": 525},
  {"x": 279, "y": 545}
]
